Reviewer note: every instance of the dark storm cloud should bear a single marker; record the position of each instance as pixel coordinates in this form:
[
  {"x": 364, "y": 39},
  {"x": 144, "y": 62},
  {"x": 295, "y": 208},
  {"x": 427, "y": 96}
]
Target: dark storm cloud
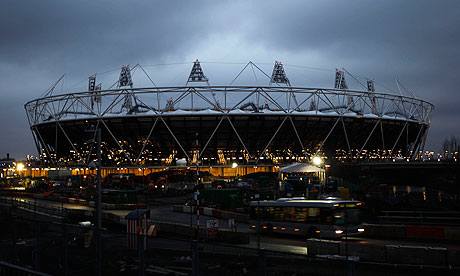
[
  {"x": 41, "y": 40},
  {"x": 415, "y": 41},
  {"x": 71, "y": 33}
]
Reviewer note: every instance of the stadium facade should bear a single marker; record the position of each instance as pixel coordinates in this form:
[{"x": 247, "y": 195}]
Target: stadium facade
[{"x": 270, "y": 125}]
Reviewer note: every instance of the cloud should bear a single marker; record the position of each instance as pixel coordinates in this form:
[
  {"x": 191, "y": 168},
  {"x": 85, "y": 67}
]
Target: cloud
[{"x": 416, "y": 41}]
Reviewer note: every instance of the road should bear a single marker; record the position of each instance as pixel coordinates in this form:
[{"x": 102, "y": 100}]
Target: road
[{"x": 294, "y": 244}]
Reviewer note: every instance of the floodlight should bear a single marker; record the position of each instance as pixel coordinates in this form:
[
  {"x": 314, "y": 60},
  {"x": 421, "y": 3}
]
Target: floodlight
[{"x": 317, "y": 160}]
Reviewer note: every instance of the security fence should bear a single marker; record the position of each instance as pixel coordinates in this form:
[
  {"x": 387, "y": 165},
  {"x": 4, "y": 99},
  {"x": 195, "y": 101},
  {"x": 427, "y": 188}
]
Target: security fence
[{"x": 30, "y": 247}]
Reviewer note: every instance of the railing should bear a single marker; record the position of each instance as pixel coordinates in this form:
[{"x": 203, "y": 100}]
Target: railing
[
  {"x": 11, "y": 269},
  {"x": 35, "y": 206},
  {"x": 420, "y": 217},
  {"x": 225, "y": 99}
]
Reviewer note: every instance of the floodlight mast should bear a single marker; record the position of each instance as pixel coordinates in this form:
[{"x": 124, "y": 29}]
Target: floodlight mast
[
  {"x": 341, "y": 84},
  {"x": 197, "y": 75},
  {"x": 279, "y": 76},
  {"x": 92, "y": 82},
  {"x": 125, "y": 80},
  {"x": 92, "y": 87},
  {"x": 371, "y": 89}
]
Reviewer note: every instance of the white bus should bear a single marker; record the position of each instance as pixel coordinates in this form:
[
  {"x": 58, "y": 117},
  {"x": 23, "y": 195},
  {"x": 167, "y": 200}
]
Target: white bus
[{"x": 311, "y": 218}]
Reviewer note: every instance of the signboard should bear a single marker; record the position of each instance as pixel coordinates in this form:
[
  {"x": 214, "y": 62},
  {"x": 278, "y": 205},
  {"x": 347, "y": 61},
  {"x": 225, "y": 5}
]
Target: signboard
[
  {"x": 212, "y": 227},
  {"x": 231, "y": 223}
]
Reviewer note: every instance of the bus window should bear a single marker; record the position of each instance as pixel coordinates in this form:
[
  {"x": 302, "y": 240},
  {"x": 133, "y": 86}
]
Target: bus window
[
  {"x": 353, "y": 216},
  {"x": 313, "y": 212},
  {"x": 339, "y": 217},
  {"x": 326, "y": 215},
  {"x": 301, "y": 214},
  {"x": 278, "y": 213},
  {"x": 313, "y": 215},
  {"x": 289, "y": 213}
]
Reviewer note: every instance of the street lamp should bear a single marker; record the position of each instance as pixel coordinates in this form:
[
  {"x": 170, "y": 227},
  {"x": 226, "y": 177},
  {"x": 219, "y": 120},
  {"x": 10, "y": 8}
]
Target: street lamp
[
  {"x": 98, "y": 166},
  {"x": 317, "y": 161},
  {"x": 234, "y": 166}
]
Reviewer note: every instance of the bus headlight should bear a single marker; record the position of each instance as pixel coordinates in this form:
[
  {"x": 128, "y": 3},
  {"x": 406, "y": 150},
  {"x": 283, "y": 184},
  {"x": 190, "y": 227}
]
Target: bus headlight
[
  {"x": 360, "y": 230},
  {"x": 338, "y": 231}
]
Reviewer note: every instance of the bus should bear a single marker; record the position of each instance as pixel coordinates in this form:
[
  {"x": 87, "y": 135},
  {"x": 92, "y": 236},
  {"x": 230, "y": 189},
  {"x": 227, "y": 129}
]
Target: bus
[{"x": 329, "y": 218}]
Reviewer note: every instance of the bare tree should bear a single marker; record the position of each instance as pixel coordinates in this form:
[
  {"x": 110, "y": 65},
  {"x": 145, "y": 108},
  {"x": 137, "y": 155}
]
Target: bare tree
[{"x": 451, "y": 147}]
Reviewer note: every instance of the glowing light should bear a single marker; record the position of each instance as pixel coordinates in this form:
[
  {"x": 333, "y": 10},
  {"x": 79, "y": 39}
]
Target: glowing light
[
  {"x": 20, "y": 167},
  {"x": 338, "y": 231},
  {"x": 317, "y": 160},
  {"x": 234, "y": 165}
]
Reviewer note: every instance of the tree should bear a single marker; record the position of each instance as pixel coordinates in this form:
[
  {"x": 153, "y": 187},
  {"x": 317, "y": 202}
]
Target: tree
[{"x": 451, "y": 148}]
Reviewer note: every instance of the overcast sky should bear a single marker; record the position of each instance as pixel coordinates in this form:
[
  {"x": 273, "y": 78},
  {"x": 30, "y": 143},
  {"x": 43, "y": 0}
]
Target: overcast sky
[{"x": 416, "y": 41}]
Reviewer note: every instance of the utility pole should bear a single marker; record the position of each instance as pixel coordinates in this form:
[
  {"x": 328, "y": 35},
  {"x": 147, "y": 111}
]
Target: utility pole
[
  {"x": 257, "y": 196},
  {"x": 349, "y": 269},
  {"x": 99, "y": 201},
  {"x": 197, "y": 194},
  {"x": 197, "y": 189},
  {"x": 98, "y": 225}
]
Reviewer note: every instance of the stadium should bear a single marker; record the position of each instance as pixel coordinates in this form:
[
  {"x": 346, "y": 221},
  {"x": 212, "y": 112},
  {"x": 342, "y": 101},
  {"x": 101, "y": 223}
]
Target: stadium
[{"x": 254, "y": 126}]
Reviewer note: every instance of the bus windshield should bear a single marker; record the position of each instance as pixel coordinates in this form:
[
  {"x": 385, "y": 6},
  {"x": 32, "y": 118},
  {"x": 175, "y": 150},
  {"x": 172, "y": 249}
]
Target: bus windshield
[{"x": 353, "y": 216}]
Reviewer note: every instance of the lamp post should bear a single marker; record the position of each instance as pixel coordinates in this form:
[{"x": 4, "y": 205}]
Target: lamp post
[
  {"x": 317, "y": 161},
  {"x": 346, "y": 242},
  {"x": 98, "y": 198},
  {"x": 257, "y": 196}
]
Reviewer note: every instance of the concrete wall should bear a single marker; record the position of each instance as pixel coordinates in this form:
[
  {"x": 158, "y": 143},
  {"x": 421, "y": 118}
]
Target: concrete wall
[
  {"x": 416, "y": 232},
  {"x": 394, "y": 254}
]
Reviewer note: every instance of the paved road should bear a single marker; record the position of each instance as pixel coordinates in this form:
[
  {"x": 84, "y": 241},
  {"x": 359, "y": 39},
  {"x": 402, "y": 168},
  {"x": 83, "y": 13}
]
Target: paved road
[
  {"x": 288, "y": 243},
  {"x": 157, "y": 213}
]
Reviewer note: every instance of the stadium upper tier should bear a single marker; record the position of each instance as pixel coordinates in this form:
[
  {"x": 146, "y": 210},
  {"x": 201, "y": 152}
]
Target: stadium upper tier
[{"x": 218, "y": 124}]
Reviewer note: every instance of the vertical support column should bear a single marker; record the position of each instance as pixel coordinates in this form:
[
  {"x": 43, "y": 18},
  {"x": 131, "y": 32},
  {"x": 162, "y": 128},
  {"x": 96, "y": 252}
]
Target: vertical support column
[
  {"x": 194, "y": 258},
  {"x": 140, "y": 247},
  {"x": 99, "y": 209},
  {"x": 37, "y": 246},
  {"x": 262, "y": 262},
  {"x": 56, "y": 142},
  {"x": 257, "y": 196},
  {"x": 66, "y": 251},
  {"x": 197, "y": 235},
  {"x": 13, "y": 237},
  {"x": 407, "y": 140}
]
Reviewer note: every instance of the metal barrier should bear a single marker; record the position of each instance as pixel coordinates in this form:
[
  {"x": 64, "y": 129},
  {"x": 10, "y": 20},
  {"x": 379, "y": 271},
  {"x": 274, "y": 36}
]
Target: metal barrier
[
  {"x": 34, "y": 206},
  {"x": 11, "y": 269},
  {"x": 420, "y": 217}
]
